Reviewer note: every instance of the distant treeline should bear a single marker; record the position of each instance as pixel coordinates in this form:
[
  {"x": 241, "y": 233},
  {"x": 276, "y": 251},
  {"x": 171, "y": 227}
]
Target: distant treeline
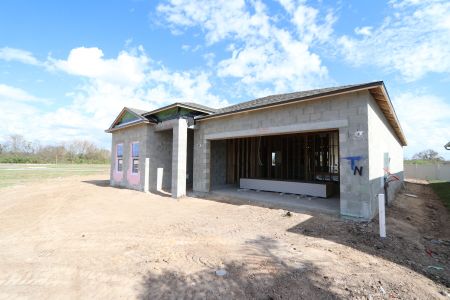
[{"x": 16, "y": 149}]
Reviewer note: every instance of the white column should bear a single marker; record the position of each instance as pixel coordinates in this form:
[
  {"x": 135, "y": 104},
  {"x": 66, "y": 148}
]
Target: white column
[{"x": 179, "y": 158}]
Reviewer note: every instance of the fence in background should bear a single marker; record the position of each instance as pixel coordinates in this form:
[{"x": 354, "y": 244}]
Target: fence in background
[{"x": 435, "y": 171}]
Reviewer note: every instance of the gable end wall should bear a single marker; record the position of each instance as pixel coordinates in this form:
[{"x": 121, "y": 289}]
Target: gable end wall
[{"x": 383, "y": 144}]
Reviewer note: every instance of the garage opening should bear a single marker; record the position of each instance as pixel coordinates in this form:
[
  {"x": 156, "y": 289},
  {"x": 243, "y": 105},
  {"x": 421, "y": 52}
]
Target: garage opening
[{"x": 300, "y": 163}]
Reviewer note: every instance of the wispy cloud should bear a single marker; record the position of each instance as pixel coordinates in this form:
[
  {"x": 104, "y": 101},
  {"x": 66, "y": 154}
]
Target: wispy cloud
[
  {"x": 19, "y": 55},
  {"x": 264, "y": 56},
  {"x": 366, "y": 30},
  {"x": 414, "y": 40},
  {"x": 14, "y": 94}
]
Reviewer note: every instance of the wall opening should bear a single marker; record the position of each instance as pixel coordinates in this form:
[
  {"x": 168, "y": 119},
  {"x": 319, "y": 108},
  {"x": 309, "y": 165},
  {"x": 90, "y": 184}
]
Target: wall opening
[
  {"x": 162, "y": 167},
  {"x": 309, "y": 157}
]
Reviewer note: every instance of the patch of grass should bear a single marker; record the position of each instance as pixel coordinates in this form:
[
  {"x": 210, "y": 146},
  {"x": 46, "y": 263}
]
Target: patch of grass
[
  {"x": 15, "y": 174},
  {"x": 442, "y": 189},
  {"x": 422, "y": 162}
]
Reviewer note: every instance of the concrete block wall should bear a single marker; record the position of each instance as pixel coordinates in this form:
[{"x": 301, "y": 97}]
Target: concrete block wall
[
  {"x": 431, "y": 171},
  {"x": 353, "y": 144},
  {"x": 166, "y": 147},
  {"x": 157, "y": 146},
  {"x": 190, "y": 159},
  {"x": 349, "y": 109},
  {"x": 383, "y": 143},
  {"x": 218, "y": 163},
  {"x": 126, "y": 136},
  {"x": 202, "y": 153}
]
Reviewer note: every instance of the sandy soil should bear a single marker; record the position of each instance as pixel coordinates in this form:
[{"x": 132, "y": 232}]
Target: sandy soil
[{"x": 78, "y": 238}]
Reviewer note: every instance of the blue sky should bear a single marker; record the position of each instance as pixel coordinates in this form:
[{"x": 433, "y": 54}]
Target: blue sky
[{"x": 68, "y": 67}]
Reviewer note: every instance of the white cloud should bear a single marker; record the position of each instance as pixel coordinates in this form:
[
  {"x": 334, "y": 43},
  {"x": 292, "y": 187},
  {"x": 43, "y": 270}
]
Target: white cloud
[
  {"x": 130, "y": 79},
  {"x": 220, "y": 19},
  {"x": 414, "y": 40},
  {"x": 285, "y": 64},
  {"x": 366, "y": 30},
  {"x": 264, "y": 56},
  {"x": 182, "y": 86},
  {"x": 209, "y": 58},
  {"x": 13, "y": 94},
  {"x": 308, "y": 23},
  {"x": 424, "y": 119},
  {"x": 13, "y": 54},
  {"x": 59, "y": 125},
  {"x": 127, "y": 69}
]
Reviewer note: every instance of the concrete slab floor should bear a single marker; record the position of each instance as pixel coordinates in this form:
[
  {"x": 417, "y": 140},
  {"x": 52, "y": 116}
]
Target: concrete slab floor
[{"x": 296, "y": 203}]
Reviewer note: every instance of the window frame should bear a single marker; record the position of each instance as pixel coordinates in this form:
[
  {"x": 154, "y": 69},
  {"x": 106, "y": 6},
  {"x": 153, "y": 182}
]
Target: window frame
[
  {"x": 119, "y": 164},
  {"x": 135, "y": 157},
  {"x": 133, "y": 170},
  {"x": 132, "y": 149},
  {"x": 119, "y": 158}
]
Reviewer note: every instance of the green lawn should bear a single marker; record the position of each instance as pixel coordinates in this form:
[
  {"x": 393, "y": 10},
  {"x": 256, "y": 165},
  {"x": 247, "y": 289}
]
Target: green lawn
[
  {"x": 14, "y": 174},
  {"x": 442, "y": 189}
]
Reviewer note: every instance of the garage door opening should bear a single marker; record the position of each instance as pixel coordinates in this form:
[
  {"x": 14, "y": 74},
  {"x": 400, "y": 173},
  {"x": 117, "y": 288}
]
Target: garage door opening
[
  {"x": 300, "y": 163},
  {"x": 286, "y": 171}
]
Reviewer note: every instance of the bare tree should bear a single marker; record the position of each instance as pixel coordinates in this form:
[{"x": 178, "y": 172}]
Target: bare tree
[
  {"x": 428, "y": 155},
  {"x": 18, "y": 144}
]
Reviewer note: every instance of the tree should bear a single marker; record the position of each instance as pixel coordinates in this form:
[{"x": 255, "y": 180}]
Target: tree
[
  {"x": 18, "y": 144},
  {"x": 429, "y": 154},
  {"x": 16, "y": 148}
]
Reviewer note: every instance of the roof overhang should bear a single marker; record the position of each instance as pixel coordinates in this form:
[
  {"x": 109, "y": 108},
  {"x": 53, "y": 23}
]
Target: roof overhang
[
  {"x": 175, "y": 105},
  {"x": 114, "y": 127},
  {"x": 381, "y": 96},
  {"x": 377, "y": 90}
]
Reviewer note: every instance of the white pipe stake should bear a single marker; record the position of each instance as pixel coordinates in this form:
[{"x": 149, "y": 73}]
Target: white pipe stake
[
  {"x": 381, "y": 215},
  {"x": 159, "y": 179},
  {"x": 147, "y": 174}
]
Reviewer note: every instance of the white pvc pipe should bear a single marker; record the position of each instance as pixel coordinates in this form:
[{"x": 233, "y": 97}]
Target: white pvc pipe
[
  {"x": 147, "y": 175},
  {"x": 159, "y": 179},
  {"x": 381, "y": 215}
]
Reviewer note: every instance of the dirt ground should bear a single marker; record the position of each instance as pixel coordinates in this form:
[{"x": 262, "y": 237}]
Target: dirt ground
[{"x": 76, "y": 237}]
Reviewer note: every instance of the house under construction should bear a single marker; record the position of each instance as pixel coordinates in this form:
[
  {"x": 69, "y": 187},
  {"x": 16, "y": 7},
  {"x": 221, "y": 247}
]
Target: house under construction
[{"x": 341, "y": 142}]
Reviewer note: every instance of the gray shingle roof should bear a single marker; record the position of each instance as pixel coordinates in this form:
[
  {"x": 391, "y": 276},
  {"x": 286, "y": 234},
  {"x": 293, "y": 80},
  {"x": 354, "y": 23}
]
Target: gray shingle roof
[
  {"x": 264, "y": 101},
  {"x": 280, "y": 98},
  {"x": 139, "y": 112},
  {"x": 191, "y": 105},
  {"x": 199, "y": 106}
]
